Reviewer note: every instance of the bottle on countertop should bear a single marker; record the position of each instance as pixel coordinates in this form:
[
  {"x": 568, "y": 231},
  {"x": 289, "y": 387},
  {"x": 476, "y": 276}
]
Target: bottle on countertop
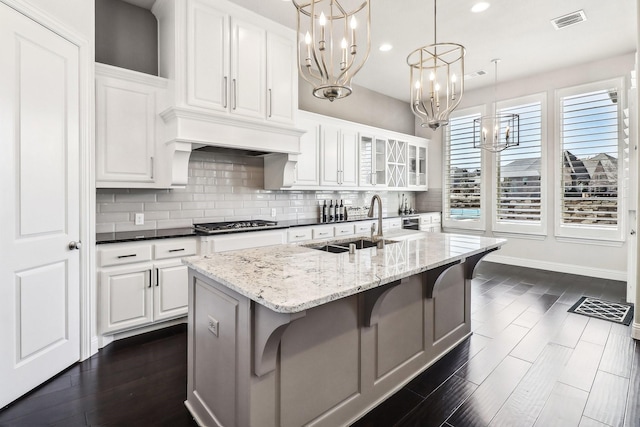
[
  {"x": 331, "y": 211},
  {"x": 336, "y": 212},
  {"x": 341, "y": 211},
  {"x": 323, "y": 217}
]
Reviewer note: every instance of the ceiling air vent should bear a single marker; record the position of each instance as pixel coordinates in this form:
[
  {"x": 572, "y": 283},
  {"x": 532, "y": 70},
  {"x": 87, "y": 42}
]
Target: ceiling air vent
[
  {"x": 570, "y": 19},
  {"x": 474, "y": 74}
]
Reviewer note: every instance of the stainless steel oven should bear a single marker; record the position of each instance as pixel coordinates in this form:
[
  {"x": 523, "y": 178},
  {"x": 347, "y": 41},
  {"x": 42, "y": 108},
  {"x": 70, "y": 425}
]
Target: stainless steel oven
[{"x": 411, "y": 223}]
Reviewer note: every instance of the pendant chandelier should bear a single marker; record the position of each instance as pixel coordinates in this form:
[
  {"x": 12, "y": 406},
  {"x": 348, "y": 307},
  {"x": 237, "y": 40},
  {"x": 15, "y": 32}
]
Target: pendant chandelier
[
  {"x": 436, "y": 80},
  {"x": 329, "y": 53},
  {"x": 498, "y": 132}
]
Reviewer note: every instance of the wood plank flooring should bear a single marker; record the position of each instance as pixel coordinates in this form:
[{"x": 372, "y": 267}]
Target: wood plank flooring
[{"x": 528, "y": 363}]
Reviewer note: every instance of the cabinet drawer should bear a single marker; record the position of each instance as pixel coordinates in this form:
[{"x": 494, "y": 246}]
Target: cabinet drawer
[
  {"x": 123, "y": 254},
  {"x": 363, "y": 227},
  {"x": 299, "y": 234},
  {"x": 172, "y": 248},
  {"x": 392, "y": 223},
  {"x": 322, "y": 232},
  {"x": 343, "y": 230}
]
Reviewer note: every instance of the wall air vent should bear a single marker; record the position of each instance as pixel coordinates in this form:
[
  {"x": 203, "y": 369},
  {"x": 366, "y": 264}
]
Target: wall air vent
[
  {"x": 474, "y": 74},
  {"x": 570, "y": 19}
]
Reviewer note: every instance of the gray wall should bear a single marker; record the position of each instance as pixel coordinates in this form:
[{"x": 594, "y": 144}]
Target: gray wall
[
  {"x": 362, "y": 106},
  {"x": 126, "y": 36}
]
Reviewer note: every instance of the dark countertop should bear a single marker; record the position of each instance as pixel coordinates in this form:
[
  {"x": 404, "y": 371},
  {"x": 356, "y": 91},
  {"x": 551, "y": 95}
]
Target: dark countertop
[{"x": 169, "y": 233}]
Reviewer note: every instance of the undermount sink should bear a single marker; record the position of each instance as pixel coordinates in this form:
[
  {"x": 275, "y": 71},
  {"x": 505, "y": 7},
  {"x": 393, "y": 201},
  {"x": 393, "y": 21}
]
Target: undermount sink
[{"x": 340, "y": 247}]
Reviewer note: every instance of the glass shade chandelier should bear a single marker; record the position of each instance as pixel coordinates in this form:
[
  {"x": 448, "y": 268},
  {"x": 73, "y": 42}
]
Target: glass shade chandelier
[
  {"x": 334, "y": 41},
  {"x": 498, "y": 132},
  {"x": 437, "y": 79}
]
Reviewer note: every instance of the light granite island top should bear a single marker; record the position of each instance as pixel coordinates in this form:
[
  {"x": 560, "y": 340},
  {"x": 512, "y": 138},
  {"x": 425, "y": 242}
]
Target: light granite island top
[{"x": 291, "y": 278}]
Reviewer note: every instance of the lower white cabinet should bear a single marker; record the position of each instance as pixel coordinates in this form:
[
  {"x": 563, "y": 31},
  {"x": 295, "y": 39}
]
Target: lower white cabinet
[{"x": 139, "y": 285}]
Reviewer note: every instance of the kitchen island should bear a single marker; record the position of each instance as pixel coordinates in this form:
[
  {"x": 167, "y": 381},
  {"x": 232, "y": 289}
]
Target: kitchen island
[{"x": 289, "y": 335}]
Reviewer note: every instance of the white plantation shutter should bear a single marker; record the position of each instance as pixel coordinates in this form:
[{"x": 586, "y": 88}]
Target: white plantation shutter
[
  {"x": 519, "y": 171},
  {"x": 589, "y": 134},
  {"x": 462, "y": 198}
]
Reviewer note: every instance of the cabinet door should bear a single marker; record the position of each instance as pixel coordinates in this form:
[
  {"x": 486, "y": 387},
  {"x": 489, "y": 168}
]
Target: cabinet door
[
  {"x": 380, "y": 177},
  {"x": 330, "y": 160},
  {"x": 248, "y": 69},
  {"x": 367, "y": 161},
  {"x": 170, "y": 293},
  {"x": 208, "y": 56},
  {"x": 125, "y": 297},
  {"x": 125, "y": 131},
  {"x": 413, "y": 165},
  {"x": 349, "y": 158},
  {"x": 282, "y": 90},
  {"x": 396, "y": 164},
  {"x": 307, "y": 167}
]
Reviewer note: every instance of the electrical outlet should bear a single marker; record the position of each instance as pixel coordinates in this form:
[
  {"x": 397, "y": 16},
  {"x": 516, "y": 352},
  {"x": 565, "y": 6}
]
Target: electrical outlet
[
  {"x": 139, "y": 219},
  {"x": 213, "y": 325},
  {"x": 273, "y": 212}
]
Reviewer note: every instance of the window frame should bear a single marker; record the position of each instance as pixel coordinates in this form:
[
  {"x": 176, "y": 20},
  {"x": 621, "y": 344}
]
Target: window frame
[
  {"x": 478, "y": 224},
  {"x": 540, "y": 228},
  {"x": 577, "y": 231}
]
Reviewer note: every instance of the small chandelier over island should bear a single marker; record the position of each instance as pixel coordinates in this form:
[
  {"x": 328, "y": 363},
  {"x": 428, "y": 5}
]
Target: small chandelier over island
[
  {"x": 437, "y": 80},
  {"x": 499, "y": 131},
  {"x": 333, "y": 44}
]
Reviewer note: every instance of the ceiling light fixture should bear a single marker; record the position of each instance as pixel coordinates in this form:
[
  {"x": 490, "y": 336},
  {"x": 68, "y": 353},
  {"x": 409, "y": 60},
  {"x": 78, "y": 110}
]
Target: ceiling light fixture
[
  {"x": 431, "y": 66},
  {"x": 480, "y": 7},
  {"x": 333, "y": 44},
  {"x": 498, "y": 132}
]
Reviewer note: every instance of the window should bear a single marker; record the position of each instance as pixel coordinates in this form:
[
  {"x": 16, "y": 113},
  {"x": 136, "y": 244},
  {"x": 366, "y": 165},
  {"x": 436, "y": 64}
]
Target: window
[
  {"x": 589, "y": 129},
  {"x": 520, "y": 180},
  {"x": 462, "y": 173}
]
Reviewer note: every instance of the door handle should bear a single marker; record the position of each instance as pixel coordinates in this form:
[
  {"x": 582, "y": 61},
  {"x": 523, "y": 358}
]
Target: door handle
[
  {"x": 226, "y": 94},
  {"x": 75, "y": 245}
]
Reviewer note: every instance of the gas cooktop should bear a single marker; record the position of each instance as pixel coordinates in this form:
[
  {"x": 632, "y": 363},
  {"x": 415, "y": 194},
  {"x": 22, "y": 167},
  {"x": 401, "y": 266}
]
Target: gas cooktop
[{"x": 222, "y": 227}]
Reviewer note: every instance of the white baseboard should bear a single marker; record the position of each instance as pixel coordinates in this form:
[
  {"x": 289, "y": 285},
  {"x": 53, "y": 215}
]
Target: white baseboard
[
  {"x": 635, "y": 330},
  {"x": 559, "y": 267}
]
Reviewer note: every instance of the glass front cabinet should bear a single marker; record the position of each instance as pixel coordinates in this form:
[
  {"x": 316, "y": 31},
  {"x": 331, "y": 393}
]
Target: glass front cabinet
[
  {"x": 373, "y": 161},
  {"x": 417, "y": 165}
]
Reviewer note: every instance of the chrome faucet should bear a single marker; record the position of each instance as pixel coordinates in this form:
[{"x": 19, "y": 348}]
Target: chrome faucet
[{"x": 378, "y": 236}]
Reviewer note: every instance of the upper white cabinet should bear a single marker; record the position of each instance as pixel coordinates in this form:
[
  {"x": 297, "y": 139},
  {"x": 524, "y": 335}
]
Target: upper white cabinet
[
  {"x": 129, "y": 152},
  {"x": 417, "y": 164},
  {"x": 307, "y": 171},
  {"x": 373, "y": 161},
  {"x": 236, "y": 81},
  {"x": 339, "y": 154},
  {"x": 397, "y": 163}
]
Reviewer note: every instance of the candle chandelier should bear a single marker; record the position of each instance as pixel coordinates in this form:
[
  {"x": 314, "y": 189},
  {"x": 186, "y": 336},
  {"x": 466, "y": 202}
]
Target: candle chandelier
[
  {"x": 498, "y": 132},
  {"x": 333, "y": 44},
  {"x": 437, "y": 79}
]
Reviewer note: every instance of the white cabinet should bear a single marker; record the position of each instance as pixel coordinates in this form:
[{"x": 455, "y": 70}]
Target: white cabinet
[
  {"x": 126, "y": 127},
  {"x": 233, "y": 61},
  {"x": 373, "y": 161},
  {"x": 142, "y": 283},
  {"x": 430, "y": 222},
  {"x": 339, "y": 154},
  {"x": 396, "y": 163},
  {"x": 307, "y": 173},
  {"x": 417, "y": 165}
]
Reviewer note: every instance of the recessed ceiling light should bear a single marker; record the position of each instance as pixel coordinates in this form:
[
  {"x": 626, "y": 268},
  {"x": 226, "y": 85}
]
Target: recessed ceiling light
[
  {"x": 385, "y": 47},
  {"x": 480, "y": 7}
]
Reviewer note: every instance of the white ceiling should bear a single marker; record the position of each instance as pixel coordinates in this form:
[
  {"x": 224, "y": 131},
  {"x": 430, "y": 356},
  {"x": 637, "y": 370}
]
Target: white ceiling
[{"x": 518, "y": 32}]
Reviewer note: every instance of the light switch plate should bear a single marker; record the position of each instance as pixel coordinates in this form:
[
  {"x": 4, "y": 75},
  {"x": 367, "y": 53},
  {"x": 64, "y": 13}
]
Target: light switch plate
[{"x": 213, "y": 325}]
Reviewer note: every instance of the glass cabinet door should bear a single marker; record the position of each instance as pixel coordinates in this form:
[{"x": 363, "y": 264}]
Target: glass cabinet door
[
  {"x": 367, "y": 161},
  {"x": 380, "y": 177},
  {"x": 422, "y": 166},
  {"x": 413, "y": 167}
]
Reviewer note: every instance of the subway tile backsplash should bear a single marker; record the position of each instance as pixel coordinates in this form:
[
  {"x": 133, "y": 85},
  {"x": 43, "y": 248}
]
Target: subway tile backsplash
[{"x": 223, "y": 187}]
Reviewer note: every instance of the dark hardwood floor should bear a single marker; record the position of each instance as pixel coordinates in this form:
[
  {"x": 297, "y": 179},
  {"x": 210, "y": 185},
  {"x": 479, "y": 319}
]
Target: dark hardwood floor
[{"x": 528, "y": 363}]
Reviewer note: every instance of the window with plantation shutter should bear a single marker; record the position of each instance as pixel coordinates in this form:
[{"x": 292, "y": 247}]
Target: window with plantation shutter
[
  {"x": 589, "y": 152},
  {"x": 519, "y": 180},
  {"x": 463, "y": 183}
]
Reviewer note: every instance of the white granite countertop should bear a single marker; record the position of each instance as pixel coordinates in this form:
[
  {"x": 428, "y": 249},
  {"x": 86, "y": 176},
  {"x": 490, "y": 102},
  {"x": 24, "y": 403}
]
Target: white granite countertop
[{"x": 292, "y": 277}]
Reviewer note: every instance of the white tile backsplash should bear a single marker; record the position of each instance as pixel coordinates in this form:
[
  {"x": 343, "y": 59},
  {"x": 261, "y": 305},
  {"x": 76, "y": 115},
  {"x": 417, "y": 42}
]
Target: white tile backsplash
[{"x": 222, "y": 187}]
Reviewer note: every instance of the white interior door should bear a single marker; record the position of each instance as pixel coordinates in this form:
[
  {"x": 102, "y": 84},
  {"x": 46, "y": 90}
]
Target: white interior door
[{"x": 39, "y": 204}]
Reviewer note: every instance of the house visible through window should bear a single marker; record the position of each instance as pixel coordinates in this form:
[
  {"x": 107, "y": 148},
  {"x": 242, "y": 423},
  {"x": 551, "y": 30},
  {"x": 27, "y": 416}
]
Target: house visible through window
[
  {"x": 519, "y": 177},
  {"x": 462, "y": 171},
  {"x": 589, "y": 136}
]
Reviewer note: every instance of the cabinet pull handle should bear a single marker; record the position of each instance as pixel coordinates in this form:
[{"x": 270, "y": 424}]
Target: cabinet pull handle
[
  {"x": 235, "y": 93},
  {"x": 176, "y": 250},
  {"x": 127, "y": 256},
  {"x": 150, "y": 277},
  {"x": 298, "y": 236},
  {"x": 157, "y": 277},
  {"x": 226, "y": 91},
  {"x": 270, "y": 103},
  {"x": 152, "y": 167}
]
